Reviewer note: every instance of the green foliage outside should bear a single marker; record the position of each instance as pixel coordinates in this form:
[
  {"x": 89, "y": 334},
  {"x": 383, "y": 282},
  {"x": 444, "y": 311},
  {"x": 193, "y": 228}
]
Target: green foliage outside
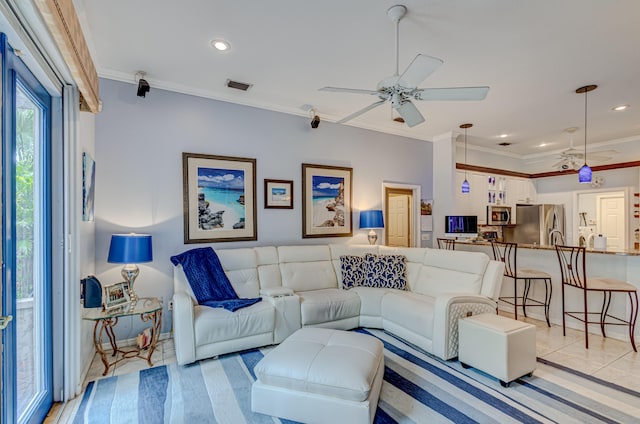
[{"x": 25, "y": 143}]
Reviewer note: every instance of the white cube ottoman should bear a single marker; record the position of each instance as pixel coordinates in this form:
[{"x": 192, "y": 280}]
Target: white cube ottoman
[
  {"x": 320, "y": 375},
  {"x": 500, "y": 346}
]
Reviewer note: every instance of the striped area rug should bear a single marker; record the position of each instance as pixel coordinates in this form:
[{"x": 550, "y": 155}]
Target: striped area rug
[{"x": 417, "y": 388}]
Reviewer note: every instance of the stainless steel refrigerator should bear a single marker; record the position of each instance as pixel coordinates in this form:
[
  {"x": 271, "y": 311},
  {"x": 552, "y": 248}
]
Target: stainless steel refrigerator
[{"x": 539, "y": 224}]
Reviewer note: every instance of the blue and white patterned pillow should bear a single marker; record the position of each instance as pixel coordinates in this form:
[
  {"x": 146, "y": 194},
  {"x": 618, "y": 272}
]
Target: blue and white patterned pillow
[
  {"x": 352, "y": 271},
  {"x": 388, "y": 271}
]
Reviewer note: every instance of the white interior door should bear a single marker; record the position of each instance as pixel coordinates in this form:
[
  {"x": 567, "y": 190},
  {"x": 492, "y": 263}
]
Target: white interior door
[{"x": 611, "y": 219}]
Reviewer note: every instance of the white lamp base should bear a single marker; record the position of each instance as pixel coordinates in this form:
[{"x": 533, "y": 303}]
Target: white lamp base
[{"x": 373, "y": 237}]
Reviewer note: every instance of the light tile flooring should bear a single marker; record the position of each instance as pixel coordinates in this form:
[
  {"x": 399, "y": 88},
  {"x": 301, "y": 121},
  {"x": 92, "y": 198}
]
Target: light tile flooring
[{"x": 608, "y": 359}]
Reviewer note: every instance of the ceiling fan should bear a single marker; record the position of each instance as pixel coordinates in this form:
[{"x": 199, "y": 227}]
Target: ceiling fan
[
  {"x": 572, "y": 158},
  {"x": 400, "y": 89}
]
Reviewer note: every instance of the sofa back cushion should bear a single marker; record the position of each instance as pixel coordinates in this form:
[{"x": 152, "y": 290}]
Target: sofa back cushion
[
  {"x": 268, "y": 267},
  {"x": 305, "y": 268},
  {"x": 449, "y": 271},
  {"x": 241, "y": 267}
]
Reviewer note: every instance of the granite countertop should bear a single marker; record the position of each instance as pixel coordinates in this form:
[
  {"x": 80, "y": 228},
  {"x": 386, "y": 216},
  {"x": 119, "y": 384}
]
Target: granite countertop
[{"x": 622, "y": 252}]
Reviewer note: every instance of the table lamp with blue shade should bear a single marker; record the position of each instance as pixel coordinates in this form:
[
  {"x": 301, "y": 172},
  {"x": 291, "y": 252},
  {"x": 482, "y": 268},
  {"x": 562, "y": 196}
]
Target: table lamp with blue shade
[
  {"x": 130, "y": 249},
  {"x": 371, "y": 219}
]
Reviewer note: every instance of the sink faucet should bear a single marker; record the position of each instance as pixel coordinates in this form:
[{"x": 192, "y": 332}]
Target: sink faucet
[{"x": 558, "y": 235}]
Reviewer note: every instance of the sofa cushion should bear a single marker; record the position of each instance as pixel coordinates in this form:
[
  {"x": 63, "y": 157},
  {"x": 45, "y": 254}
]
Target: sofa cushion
[
  {"x": 412, "y": 311},
  {"x": 241, "y": 268},
  {"x": 212, "y": 325},
  {"x": 352, "y": 271},
  {"x": 385, "y": 271},
  {"x": 450, "y": 271},
  {"x": 320, "y": 306},
  {"x": 306, "y": 268}
]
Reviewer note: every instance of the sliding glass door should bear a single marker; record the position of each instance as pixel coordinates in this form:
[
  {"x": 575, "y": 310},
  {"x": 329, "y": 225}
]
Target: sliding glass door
[{"x": 26, "y": 243}]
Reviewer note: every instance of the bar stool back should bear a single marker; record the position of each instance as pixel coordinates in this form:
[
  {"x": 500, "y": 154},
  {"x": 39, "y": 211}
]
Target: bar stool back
[
  {"x": 507, "y": 253},
  {"x": 573, "y": 271},
  {"x": 447, "y": 243}
]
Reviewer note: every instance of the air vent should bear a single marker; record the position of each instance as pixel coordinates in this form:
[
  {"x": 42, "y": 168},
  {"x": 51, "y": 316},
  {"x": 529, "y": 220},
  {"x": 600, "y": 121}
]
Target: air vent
[
  {"x": 238, "y": 85},
  {"x": 504, "y": 144}
]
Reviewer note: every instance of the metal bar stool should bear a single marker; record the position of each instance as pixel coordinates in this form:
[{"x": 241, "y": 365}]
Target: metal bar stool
[
  {"x": 573, "y": 270},
  {"x": 447, "y": 243},
  {"x": 507, "y": 253}
]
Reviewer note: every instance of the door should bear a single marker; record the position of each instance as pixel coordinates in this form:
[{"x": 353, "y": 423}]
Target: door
[
  {"x": 26, "y": 243},
  {"x": 611, "y": 219},
  {"x": 398, "y": 229}
]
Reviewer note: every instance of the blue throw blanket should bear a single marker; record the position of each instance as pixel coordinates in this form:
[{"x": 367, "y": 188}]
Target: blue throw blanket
[{"x": 207, "y": 279}]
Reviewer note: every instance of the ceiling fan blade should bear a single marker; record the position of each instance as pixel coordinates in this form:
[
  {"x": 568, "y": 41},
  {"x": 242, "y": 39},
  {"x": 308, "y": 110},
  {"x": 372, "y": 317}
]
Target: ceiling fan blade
[
  {"x": 350, "y": 90},
  {"x": 360, "y": 112},
  {"x": 421, "y": 67},
  {"x": 410, "y": 114},
  {"x": 452, "y": 93},
  {"x": 598, "y": 158}
]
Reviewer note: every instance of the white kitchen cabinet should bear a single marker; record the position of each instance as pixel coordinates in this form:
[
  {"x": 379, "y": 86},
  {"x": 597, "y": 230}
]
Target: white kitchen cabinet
[{"x": 521, "y": 190}]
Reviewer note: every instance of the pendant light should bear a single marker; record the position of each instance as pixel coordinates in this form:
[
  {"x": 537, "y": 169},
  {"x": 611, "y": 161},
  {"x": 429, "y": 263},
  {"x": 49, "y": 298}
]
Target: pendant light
[
  {"x": 465, "y": 183},
  {"x": 584, "y": 174}
]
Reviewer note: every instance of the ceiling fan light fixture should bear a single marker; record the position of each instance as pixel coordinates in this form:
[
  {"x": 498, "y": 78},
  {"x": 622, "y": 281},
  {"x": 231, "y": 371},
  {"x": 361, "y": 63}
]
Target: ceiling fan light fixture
[{"x": 584, "y": 174}]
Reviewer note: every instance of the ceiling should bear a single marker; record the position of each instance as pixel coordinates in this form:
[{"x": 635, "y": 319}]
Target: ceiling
[{"x": 532, "y": 54}]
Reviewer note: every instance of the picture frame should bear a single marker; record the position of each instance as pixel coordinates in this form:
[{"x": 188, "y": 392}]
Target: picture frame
[
  {"x": 88, "y": 186},
  {"x": 278, "y": 194},
  {"x": 219, "y": 198},
  {"x": 326, "y": 201},
  {"x": 116, "y": 295}
]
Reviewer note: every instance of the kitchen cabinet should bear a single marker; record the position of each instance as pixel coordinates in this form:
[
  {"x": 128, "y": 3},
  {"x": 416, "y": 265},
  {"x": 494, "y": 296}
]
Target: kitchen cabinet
[{"x": 521, "y": 190}]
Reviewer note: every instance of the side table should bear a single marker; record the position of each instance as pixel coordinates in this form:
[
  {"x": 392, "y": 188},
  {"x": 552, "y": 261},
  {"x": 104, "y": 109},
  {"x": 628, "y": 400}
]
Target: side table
[{"x": 149, "y": 309}]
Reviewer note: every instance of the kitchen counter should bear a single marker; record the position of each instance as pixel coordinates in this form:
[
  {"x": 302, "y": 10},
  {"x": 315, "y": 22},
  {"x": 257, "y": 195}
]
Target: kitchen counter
[
  {"x": 623, "y": 252},
  {"x": 621, "y": 265}
]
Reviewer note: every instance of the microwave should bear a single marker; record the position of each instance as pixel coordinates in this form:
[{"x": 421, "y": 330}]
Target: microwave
[{"x": 498, "y": 215}]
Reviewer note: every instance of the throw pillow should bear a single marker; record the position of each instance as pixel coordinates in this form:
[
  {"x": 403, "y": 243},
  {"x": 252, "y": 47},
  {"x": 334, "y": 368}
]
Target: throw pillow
[
  {"x": 352, "y": 271},
  {"x": 388, "y": 271}
]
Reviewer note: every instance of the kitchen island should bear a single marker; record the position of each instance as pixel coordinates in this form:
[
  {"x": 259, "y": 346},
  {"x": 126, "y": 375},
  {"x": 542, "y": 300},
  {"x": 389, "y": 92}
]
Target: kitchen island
[{"x": 619, "y": 264}]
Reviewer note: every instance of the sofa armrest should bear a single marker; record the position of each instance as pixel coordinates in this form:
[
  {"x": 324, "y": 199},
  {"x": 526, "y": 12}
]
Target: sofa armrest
[
  {"x": 183, "y": 328},
  {"x": 287, "y": 310},
  {"x": 276, "y": 291},
  {"x": 449, "y": 308}
]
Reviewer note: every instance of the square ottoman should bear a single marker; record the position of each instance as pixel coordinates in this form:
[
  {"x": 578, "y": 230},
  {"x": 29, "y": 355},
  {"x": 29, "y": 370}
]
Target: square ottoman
[
  {"x": 320, "y": 375},
  {"x": 500, "y": 346}
]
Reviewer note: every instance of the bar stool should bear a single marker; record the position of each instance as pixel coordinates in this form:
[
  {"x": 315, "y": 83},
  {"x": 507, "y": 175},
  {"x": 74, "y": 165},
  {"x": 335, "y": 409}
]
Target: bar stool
[
  {"x": 447, "y": 243},
  {"x": 573, "y": 271},
  {"x": 507, "y": 253}
]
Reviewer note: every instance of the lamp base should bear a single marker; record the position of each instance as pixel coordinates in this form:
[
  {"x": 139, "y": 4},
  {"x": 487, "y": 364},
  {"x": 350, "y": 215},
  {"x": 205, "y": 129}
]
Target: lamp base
[
  {"x": 373, "y": 237},
  {"x": 129, "y": 273}
]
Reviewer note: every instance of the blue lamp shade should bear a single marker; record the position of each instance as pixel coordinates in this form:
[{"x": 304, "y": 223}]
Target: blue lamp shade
[
  {"x": 371, "y": 219},
  {"x": 465, "y": 186},
  {"x": 130, "y": 249},
  {"x": 584, "y": 174}
]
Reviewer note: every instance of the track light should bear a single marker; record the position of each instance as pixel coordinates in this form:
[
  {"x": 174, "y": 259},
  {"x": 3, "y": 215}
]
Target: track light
[{"x": 143, "y": 85}]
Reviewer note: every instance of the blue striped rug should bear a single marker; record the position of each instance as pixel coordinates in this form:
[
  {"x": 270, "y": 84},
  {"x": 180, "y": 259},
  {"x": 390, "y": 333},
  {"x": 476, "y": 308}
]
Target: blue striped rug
[{"x": 417, "y": 388}]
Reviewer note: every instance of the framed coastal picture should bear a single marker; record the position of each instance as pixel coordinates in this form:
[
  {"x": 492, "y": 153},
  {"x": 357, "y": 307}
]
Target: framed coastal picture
[
  {"x": 326, "y": 201},
  {"x": 219, "y": 198},
  {"x": 88, "y": 186},
  {"x": 278, "y": 194}
]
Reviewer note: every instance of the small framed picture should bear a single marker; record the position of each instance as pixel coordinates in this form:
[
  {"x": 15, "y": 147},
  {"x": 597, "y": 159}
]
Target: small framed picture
[
  {"x": 116, "y": 295},
  {"x": 278, "y": 194}
]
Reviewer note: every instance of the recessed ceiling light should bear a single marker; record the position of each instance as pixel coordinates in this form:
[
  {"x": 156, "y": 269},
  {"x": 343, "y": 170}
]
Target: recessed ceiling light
[
  {"x": 503, "y": 135},
  {"x": 621, "y": 107},
  {"x": 221, "y": 45},
  {"x": 542, "y": 144}
]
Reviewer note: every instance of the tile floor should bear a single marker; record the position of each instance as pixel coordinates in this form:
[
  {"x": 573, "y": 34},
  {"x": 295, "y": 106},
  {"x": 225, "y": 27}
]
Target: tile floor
[{"x": 608, "y": 359}]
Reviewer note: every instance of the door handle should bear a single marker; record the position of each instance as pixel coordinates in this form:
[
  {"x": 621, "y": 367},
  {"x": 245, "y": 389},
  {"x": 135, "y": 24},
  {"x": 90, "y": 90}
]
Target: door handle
[{"x": 4, "y": 321}]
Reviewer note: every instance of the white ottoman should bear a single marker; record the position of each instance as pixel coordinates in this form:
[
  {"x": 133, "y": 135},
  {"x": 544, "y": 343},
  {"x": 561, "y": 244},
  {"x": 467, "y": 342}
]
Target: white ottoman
[
  {"x": 319, "y": 375},
  {"x": 500, "y": 346}
]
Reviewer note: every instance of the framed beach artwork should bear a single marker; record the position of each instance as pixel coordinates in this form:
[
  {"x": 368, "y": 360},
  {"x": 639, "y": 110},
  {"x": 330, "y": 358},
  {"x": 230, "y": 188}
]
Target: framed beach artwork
[
  {"x": 326, "y": 201},
  {"x": 219, "y": 198},
  {"x": 278, "y": 194},
  {"x": 88, "y": 186}
]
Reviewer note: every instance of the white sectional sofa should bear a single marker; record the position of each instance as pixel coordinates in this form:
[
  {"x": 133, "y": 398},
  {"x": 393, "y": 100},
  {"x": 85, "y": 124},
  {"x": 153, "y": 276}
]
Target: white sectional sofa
[{"x": 301, "y": 286}]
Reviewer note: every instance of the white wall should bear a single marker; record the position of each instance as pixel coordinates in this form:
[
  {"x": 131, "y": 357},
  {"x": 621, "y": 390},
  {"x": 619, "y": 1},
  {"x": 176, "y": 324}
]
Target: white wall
[{"x": 139, "y": 142}]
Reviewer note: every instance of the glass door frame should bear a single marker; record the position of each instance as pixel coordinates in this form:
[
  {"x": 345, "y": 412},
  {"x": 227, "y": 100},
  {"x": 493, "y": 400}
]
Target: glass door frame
[{"x": 15, "y": 72}]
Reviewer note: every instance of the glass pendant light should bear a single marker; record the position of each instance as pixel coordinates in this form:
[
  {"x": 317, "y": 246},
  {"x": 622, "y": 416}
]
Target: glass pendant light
[
  {"x": 465, "y": 183},
  {"x": 584, "y": 174}
]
